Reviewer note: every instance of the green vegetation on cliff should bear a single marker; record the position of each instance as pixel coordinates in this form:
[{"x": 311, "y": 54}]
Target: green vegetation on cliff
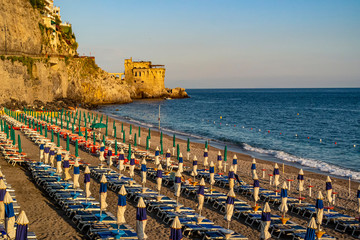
[
  {"x": 39, "y": 4},
  {"x": 28, "y": 62}
]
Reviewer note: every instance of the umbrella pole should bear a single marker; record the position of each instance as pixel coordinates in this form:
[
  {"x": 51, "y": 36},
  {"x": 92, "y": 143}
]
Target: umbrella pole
[{"x": 228, "y": 225}]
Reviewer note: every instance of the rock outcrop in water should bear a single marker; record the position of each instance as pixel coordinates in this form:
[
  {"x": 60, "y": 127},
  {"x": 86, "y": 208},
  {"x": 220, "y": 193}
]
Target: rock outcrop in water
[{"x": 33, "y": 69}]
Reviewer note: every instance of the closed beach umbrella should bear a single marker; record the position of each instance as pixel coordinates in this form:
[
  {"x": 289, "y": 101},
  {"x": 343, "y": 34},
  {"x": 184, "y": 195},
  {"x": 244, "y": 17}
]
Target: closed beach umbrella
[
  {"x": 206, "y": 157},
  {"x": 253, "y": 167},
  {"x": 87, "y": 182},
  {"x": 116, "y": 148},
  {"x": 195, "y": 165},
  {"x": 175, "y": 232},
  {"x": 329, "y": 190},
  {"x": 256, "y": 188},
  {"x": 132, "y": 165},
  {"x": 234, "y": 164},
  {"x": 231, "y": 177},
  {"x": 301, "y": 182},
  {"x": 139, "y": 135},
  {"x": 265, "y": 222},
  {"x": 9, "y": 216},
  {"x": 181, "y": 163},
  {"x": 284, "y": 196},
  {"x": 129, "y": 152},
  {"x": 219, "y": 161},
  {"x": 109, "y": 156},
  {"x": 76, "y": 174},
  {"x": 168, "y": 163},
  {"x": 52, "y": 135},
  {"x": 141, "y": 219},
  {"x": 157, "y": 156},
  {"x": 58, "y": 139},
  {"x": 358, "y": 197},
  {"x": 41, "y": 148},
  {"x": 147, "y": 144},
  {"x": 124, "y": 136},
  {"x": 66, "y": 166},
  {"x": 120, "y": 216},
  {"x": 276, "y": 175},
  {"x": 135, "y": 140},
  {"x": 19, "y": 144},
  {"x": 177, "y": 151},
  {"x": 58, "y": 163},
  {"x": 76, "y": 148},
  {"x": 310, "y": 230},
  {"x": 121, "y": 160},
  {"x": 159, "y": 174},
  {"x": 319, "y": 207},
  {"x": 143, "y": 171},
  {"x": 174, "y": 144},
  {"x": 52, "y": 155},
  {"x": 22, "y": 227},
  {"x": 2, "y": 195},
  {"x": 102, "y": 152},
  {"x": 200, "y": 195},
  {"x": 103, "y": 193},
  {"x": 225, "y": 158},
  {"x": 177, "y": 185},
  {"x": 46, "y": 153},
  {"x": 212, "y": 174},
  {"x": 229, "y": 206},
  {"x": 67, "y": 143}
]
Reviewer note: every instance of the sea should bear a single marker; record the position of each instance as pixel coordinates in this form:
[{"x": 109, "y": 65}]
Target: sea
[{"x": 315, "y": 129}]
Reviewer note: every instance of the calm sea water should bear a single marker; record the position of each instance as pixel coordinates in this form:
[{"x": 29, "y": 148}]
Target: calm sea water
[{"x": 317, "y": 128}]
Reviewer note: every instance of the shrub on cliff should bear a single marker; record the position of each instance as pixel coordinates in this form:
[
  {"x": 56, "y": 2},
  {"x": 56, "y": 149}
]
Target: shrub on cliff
[{"x": 39, "y": 4}]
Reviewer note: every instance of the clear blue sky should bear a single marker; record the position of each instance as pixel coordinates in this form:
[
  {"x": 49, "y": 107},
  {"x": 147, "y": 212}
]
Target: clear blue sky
[{"x": 225, "y": 44}]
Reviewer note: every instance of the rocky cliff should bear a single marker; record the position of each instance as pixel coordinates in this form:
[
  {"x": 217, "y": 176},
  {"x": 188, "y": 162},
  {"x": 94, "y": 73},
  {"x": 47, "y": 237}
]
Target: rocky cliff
[{"x": 32, "y": 69}]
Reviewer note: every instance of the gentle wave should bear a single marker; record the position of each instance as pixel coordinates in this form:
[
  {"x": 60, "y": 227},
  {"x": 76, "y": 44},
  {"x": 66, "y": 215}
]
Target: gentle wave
[{"x": 319, "y": 165}]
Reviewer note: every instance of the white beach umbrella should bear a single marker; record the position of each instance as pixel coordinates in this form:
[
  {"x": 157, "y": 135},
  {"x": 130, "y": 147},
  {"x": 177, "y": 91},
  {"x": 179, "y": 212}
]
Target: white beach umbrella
[
  {"x": 310, "y": 230},
  {"x": 234, "y": 163},
  {"x": 41, "y": 147},
  {"x": 177, "y": 184},
  {"x": 253, "y": 167},
  {"x": 265, "y": 222},
  {"x": 200, "y": 195},
  {"x": 120, "y": 215},
  {"x": 157, "y": 156},
  {"x": 132, "y": 165},
  {"x": 195, "y": 165},
  {"x": 229, "y": 206},
  {"x": 110, "y": 156},
  {"x": 319, "y": 207},
  {"x": 276, "y": 175},
  {"x": 66, "y": 166},
  {"x": 301, "y": 182},
  {"x": 52, "y": 155},
  {"x": 212, "y": 173},
  {"x": 206, "y": 157},
  {"x": 329, "y": 190},
  {"x": 256, "y": 188},
  {"x": 181, "y": 163},
  {"x": 141, "y": 219},
  {"x": 143, "y": 171},
  {"x": 9, "y": 216},
  {"x": 76, "y": 173},
  {"x": 22, "y": 227},
  {"x": 231, "y": 177},
  {"x": 159, "y": 173},
  {"x": 219, "y": 160},
  {"x": 168, "y": 161},
  {"x": 58, "y": 163},
  {"x": 46, "y": 153},
  {"x": 121, "y": 160},
  {"x": 2, "y": 195},
  {"x": 176, "y": 232},
  {"x": 284, "y": 196},
  {"x": 87, "y": 182},
  {"x": 102, "y": 152},
  {"x": 103, "y": 193}
]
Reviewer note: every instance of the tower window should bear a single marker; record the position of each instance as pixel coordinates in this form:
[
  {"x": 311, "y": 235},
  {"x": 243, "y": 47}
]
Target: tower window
[{"x": 136, "y": 74}]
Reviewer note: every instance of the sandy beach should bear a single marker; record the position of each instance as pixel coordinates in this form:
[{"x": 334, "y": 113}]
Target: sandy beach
[{"x": 32, "y": 199}]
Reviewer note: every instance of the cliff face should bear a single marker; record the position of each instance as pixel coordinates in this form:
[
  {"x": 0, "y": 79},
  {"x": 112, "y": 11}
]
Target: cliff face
[{"x": 31, "y": 68}]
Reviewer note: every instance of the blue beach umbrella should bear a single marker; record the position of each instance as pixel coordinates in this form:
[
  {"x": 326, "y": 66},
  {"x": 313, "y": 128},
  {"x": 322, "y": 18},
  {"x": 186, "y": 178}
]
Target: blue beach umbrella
[
  {"x": 143, "y": 172},
  {"x": 102, "y": 152},
  {"x": 253, "y": 167},
  {"x": 276, "y": 175},
  {"x": 58, "y": 163},
  {"x": 2, "y": 195},
  {"x": 9, "y": 216},
  {"x": 231, "y": 177},
  {"x": 265, "y": 222},
  {"x": 195, "y": 165},
  {"x": 76, "y": 174},
  {"x": 206, "y": 157},
  {"x": 132, "y": 165},
  {"x": 46, "y": 153},
  {"x": 212, "y": 174},
  {"x": 358, "y": 197},
  {"x": 219, "y": 160},
  {"x": 181, "y": 163},
  {"x": 159, "y": 175},
  {"x": 328, "y": 188},
  {"x": 66, "y": 166},
  {"x": 229, "y": 206},
  {"x": 157, "y": 156},
  {"x": 121, "y": 160},
  {"x": 234, "y": 163},
  {"x": 177, "y": 185},
  {"x": 310, "y": 230},
  {"x": 52, "y": 155},
  {"x": 175, "y": 232},
  {"x": 256, "y": 187},
  {"x": 301, "y": 183},
  {"x": 141, "y": 219},
  {"x": 109, "y": 156},
  {"x": 200, "y": 195},
  {"x": 121, "y": 206},
  {"x": 87, "y": 182},
  {"x": 168, "y": 156},
  {"x": 319, "y": 207},
  {"x": 22, "y": 227},
  {"x": 103, "y": 193},
  {"x": 284, "y": 196}
]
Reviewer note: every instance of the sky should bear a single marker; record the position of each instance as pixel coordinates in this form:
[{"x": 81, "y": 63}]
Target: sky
[{"x": 225, "y": 44}]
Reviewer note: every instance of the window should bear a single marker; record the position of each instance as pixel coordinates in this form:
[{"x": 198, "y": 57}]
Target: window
[
  {"x": 136, "y": 74},
  {"x": 139, "y": 74}
]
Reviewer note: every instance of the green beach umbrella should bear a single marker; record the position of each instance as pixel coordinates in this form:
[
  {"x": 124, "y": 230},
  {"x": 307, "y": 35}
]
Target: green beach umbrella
[
  {"x": 106, "y": 129},
  {"x": 161, "y": 137},
  {"x": 206, "y": 145},
  {"x": 58, "y": 139},
  {"x": 139, "y": 131},
  {"x": 116, "y": 148},
  {"x": 161, "y": 148},
  {"x": 41, "y": 131},
  {"x": 72, "y": 128},
  {"x": 122, "y": 127},
  {"x": 86, "y": 134},
  {"x": 13, "y": 136},
  {"x": 84, "y": 121},
  {"x": 46, "y": 131},
  {"x": 177, "y": 151},
  {"x": 129, "y": 155},
  {"x": 147, "y": 143},
  {"x": 80, "y": 132},
  {"x": 188, "y": 145},
  {"x": 149, "y": 133},
  {"x": 98, "y": 125},
  {"x": 135, "y": 144},
  {"x": 225, "y": 154},
  {"x": 123, "y": 136},
  {"x": 130, "y": 129},
  {"x": 52, "y": 135},
  {"x": 101, "y": 118},
  {"x": 76, "y": 148},
  {"x": 67, "y": 143},
  {"x": 114, "y": 126},
  {"x": 174, "y": 141},
  {"x": 19, "y": 144},
  {"x": 115, "y": 132}
]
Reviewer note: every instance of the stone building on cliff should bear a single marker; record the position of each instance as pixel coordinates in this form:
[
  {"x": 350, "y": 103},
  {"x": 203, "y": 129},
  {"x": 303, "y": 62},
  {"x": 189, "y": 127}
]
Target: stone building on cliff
[{"x": 146, "y": 78}]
